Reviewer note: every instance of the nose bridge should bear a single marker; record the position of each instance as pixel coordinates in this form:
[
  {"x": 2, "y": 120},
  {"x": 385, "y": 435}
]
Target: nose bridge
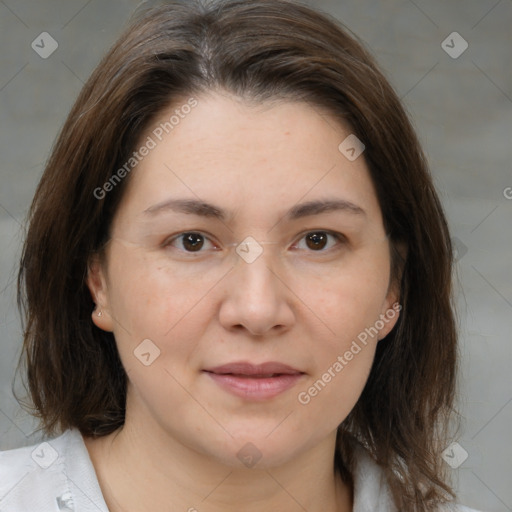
[
  {"x": 254, "y": 297},
  {"x": 256, "y": 264}
]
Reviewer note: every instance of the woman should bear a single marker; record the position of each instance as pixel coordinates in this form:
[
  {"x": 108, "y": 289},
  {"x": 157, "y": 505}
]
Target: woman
[{"x": 236, "y": 280}]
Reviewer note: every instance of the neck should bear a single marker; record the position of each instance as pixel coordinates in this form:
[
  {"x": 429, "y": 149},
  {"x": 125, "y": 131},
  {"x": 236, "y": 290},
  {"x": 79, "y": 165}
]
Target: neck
[{"x": 140, "y": 470}]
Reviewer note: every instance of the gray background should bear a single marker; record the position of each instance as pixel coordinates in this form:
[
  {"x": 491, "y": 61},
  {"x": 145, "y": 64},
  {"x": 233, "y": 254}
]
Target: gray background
[{"x": 461, "y": 107}]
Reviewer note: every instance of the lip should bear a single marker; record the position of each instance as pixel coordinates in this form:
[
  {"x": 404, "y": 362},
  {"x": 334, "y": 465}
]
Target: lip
[{"x": 255, "y": 382}]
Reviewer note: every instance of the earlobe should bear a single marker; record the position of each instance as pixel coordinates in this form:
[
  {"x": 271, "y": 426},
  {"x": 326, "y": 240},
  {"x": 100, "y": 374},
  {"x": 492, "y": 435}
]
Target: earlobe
[
  {"x": 388, "y": 320},
  {"x": 392, "y": 306},
  {"x": 102, "y": 319},
  {"x": 390, "y": 311},
  {"x": 96, "y": 283}
]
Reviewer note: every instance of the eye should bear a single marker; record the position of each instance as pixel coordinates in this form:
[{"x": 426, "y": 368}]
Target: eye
[
  {"x": 317, "y": 241},
  {"x": 190, "y": 241}
]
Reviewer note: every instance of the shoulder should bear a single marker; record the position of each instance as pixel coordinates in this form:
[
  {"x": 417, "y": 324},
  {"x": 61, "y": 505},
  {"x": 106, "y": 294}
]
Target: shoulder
[
  {"x": 41, "y": 477},
  {"x": 371, "y": 491},
  {"x": 34, "y": 477}
]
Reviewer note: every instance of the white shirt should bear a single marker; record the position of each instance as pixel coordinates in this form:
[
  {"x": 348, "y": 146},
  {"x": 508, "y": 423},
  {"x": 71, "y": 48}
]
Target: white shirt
[{"x": 59, "y": 476}]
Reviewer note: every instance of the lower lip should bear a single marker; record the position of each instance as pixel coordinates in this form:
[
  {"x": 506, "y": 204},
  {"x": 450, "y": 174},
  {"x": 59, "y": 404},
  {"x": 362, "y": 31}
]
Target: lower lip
[{"x": 256, "y": 388}]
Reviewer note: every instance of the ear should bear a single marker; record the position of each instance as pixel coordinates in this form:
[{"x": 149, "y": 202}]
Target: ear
[
  {"x": 97, "y": 284},
  {"x": 388, "y": 318},
  {"x": 391, "y": 308}
]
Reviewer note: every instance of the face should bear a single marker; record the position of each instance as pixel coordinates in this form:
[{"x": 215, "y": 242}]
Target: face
[{"x": 246, "y": 238}]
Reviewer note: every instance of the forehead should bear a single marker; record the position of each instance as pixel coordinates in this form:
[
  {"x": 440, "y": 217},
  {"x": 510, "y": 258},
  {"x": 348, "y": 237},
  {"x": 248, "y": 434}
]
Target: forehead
[{"x": 247, "y": 156}]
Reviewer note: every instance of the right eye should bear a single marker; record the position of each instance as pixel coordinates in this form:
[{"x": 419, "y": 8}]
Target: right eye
[{"x": 190, "y": 241}]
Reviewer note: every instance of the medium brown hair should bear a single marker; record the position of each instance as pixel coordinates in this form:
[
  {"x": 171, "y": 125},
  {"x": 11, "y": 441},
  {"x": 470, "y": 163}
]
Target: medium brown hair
[{"x": 260, "y": 50}]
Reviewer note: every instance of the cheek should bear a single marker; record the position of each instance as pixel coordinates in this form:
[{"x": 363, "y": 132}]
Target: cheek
[
  {"x": 343, "y": 356},
  {"x": 351, "y": 297},
  {"x": 152, "y": 295},
  {"x": 349, "y": 304},
  {"x": 151, "y": 301},
  {"x": 334, "y": 391},
  {"x": 159, "y": 313}
]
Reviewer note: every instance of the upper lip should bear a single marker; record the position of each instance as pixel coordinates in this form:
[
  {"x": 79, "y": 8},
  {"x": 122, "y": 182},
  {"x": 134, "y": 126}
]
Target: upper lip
[{"x": 245, "y": 368}]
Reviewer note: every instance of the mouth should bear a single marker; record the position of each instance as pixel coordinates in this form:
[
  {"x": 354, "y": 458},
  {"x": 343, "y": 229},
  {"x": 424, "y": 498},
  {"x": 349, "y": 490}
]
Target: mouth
[{"x": 255, "y": 382}]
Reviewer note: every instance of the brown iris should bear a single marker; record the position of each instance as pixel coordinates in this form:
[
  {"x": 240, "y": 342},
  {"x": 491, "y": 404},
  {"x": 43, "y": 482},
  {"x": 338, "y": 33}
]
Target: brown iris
[
  {"x": 193, "y": 241},
  {"x": 316, "y": 240}
]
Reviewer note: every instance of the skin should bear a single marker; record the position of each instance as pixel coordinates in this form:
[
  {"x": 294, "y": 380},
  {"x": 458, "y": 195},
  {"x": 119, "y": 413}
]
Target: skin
[{"x": 294, "y": 304}]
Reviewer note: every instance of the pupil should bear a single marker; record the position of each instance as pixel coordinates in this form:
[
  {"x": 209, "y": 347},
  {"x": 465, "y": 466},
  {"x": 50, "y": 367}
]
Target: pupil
[
  {"x": 318, "y": 240},
  {"x": 193, "y": 241}
]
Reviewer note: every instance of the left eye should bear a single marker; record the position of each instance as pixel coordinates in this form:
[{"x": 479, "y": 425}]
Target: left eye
[{"x": 318, "y": 240}]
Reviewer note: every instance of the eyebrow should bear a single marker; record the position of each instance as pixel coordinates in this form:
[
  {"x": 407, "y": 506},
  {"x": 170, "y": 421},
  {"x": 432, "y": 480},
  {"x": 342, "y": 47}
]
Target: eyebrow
[{"x": 203, "y": 209}]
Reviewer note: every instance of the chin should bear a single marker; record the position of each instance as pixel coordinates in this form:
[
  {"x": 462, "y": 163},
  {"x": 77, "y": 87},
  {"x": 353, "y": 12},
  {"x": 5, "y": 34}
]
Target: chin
[{"x": 256, "y": 449}]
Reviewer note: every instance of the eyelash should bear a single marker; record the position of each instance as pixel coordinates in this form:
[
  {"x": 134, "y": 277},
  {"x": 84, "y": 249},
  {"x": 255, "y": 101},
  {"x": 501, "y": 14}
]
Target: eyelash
[{"x": 338, "y": 236}]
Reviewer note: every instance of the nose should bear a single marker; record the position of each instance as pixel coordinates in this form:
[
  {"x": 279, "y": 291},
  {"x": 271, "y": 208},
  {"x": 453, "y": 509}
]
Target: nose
[{"x": 256, "y": 298}]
